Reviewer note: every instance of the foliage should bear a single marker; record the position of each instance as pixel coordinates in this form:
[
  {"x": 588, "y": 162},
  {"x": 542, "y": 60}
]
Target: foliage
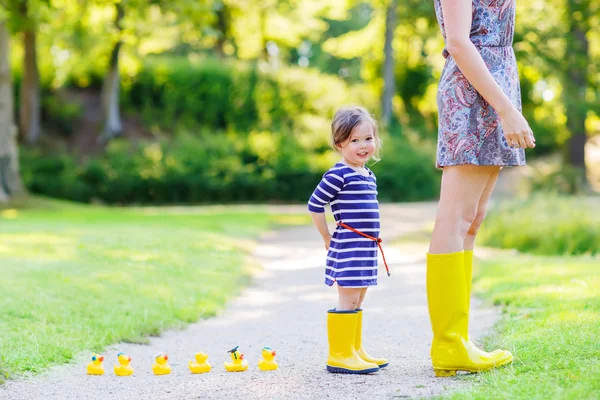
[
  {"x": 230, "y": 66},
  {"x": 213, "y": 94},
  {"x": 544, "y": 224},
  {"x": 61, "y": 115},
  {"x": 561, "y": 180},
  {"x": 219, "y": 167}
]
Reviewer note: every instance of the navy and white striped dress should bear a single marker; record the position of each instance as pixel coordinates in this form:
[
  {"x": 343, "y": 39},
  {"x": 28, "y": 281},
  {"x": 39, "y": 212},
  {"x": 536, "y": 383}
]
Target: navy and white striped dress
[{"x": 352, "y": 259}]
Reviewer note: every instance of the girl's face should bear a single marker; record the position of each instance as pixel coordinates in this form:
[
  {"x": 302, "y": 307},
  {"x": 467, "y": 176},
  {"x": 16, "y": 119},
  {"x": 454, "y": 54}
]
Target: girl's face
[{"x": 360, "y": 146}]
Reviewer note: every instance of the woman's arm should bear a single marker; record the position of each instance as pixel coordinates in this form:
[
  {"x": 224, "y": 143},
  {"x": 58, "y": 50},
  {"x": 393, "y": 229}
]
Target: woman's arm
[{"x": 457, "y": 21}]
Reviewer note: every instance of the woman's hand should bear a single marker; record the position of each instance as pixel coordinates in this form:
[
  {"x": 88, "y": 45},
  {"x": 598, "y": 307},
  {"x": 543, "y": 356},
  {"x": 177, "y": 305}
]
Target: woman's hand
[
  {"x": 516, "y": 129},
  {"x": 327, "y": 240}
]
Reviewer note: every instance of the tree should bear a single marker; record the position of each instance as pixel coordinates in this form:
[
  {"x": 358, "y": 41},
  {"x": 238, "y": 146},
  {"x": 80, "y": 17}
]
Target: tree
[
  {"x": 222, "y": 26},
  {"x": 10, "y": 180},
  {"x": 389, "y": 81},
  {"x": 287, "y": 23},
  {"x": 129, "y": 16},
  {"x": 24, "y": 17},
  {"x": 112, "y": 82},
  {"x": 576, "y": 81},
  {"x": 373, "y": 45}
]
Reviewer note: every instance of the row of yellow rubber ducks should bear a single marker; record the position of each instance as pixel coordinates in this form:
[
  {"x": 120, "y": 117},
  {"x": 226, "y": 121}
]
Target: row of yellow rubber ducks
[{"x": 200, "y": 366}]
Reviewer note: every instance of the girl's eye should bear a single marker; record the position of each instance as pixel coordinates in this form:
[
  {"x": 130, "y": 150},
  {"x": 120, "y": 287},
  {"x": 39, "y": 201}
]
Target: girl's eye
[
  {"x": 354, "y": 140},
  {"x": 369, "y": 138}
]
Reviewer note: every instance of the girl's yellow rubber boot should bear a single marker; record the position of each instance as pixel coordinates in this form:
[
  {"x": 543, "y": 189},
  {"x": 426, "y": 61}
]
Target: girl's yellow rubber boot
[
  {"x": 449, "y": 314},
  {"x": 341, "y": 332},
  {"x": 381, "y": 362},
  {"x": 500, "y": 356}
]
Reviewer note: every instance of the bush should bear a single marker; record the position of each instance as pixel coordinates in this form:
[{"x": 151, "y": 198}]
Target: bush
[
  {"x": 55, "y": 176},
  {"x": 563, "y": 179},
  {"x": 215, "y": 94},
  {"x": 59, "y": 115},
  {"x": 262, "y": 166},
  {"x": 545, "y": 224},
  {"x": 407, "y": 171}
]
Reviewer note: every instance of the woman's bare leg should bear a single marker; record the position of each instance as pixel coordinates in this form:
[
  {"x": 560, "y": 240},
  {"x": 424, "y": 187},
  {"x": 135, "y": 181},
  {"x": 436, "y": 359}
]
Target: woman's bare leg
[
  {"x": 462, "y": 188},
  {"x": 469, "y": 243}
]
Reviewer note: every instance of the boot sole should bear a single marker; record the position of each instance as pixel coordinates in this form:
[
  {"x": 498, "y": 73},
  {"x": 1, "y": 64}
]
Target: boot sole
[
  {"x": 445, "y": 372},
  {"x": 338, "y": 370}
]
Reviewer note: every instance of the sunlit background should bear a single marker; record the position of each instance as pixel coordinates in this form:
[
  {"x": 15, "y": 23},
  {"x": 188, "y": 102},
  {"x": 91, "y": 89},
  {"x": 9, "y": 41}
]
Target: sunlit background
[
  {"x": 182, "y": 110},
  {"x": 189, "y": 101}
]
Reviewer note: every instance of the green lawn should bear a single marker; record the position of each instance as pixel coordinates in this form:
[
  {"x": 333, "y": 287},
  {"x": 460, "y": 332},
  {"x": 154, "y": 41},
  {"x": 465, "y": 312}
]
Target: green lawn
[
  {"x": 551, "y": 323},
  {"x": 79, "y": 278}
]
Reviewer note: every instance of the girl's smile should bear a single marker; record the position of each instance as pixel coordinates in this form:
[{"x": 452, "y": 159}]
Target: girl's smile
[{"x": 359, "y": 147}]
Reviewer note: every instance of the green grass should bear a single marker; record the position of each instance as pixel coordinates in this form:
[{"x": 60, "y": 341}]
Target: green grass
[
  {"x": 551, "y": 323},
  {"x": 545, "y": 225},
  {"x": 79, "y": 278}
]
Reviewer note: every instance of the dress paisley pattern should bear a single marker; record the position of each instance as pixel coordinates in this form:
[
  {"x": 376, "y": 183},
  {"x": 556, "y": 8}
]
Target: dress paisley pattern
[{"x": 469, "y": 128}]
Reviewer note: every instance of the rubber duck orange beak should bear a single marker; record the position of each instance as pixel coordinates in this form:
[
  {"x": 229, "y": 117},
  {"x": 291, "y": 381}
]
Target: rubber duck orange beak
[
  {"x": 241, "y": 356},
  {"x": 274, "y": 353},
  {"x": 166, "y": 357},
  {"x": 129, "y": 359},
  {"x": 101, "y": 359}
]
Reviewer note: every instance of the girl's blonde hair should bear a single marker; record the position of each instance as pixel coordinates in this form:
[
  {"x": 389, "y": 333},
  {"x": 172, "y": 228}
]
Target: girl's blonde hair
[{"x": 346, "y": 119}]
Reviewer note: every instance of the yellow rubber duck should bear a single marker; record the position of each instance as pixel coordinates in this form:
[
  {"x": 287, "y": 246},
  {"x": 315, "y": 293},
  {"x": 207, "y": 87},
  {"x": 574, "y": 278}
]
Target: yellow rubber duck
[
  {"x": 161, "y": 367},
  {"x": 123, "y": 369},
  {"x": 267, "y": 363},
  {"x": 201, "y": 365},
  {"x": 238, "y": 363},
  {"x": 96, "y": 367}
]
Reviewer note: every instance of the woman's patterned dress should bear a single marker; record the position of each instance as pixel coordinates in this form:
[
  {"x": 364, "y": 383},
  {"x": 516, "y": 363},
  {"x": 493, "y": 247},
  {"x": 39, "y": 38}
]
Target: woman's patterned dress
[{"x": 469, "y": 128}]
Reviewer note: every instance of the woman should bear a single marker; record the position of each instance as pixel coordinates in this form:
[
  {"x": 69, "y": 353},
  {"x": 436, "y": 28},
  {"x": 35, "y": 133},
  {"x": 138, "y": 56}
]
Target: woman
[{"x": 481, "y": 130}]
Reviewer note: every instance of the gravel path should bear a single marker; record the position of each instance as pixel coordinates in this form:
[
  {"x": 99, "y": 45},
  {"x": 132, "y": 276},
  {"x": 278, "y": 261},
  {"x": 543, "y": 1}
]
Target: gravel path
[{"x": 285, "y": 308}]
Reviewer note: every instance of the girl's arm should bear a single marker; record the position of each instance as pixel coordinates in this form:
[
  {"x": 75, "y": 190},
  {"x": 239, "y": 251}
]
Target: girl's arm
[
  {"x": 457, "y": 20},
  {"x": 330, "y": 185},
  {"x": 321, "y": 224}
]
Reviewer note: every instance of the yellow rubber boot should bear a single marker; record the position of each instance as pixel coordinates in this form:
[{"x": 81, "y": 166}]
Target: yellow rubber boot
[
  {"x": 381, "y": 362},
  {"x": 449, "y": 314},
  {"x": 499, "y": 355},
  {"x": 341, "y": 332}
]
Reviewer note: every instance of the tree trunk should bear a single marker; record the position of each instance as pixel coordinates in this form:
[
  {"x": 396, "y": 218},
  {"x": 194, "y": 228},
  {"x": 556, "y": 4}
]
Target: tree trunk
[
  {"x": 389, "y": 83},
  {"x": 223, "y": 26},
  {"x": 10, "y": 180},
  {"x": 576, "y": 82},
  {"x": 111, "y": 86},
  {"x": 30, "y": 114}
]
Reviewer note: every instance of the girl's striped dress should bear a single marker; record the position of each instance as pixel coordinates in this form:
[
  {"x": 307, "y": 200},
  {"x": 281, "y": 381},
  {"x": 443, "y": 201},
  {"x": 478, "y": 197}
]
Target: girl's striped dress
[{"x": 352, "y": 259}]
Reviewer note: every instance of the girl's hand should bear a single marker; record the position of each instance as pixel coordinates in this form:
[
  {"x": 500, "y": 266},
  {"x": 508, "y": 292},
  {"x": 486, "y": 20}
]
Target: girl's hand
[
  {"x": 327, "y": 240},
  {"x": 516, "y": 129}
]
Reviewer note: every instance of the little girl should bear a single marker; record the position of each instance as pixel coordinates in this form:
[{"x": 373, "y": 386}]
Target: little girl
[{"x": 351, "y": 190}]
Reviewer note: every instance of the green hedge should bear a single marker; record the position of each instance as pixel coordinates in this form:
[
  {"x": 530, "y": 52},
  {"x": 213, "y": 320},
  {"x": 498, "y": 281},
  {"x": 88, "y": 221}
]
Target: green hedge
[
  {"x": 215, "y": 94},
  {"x": 545, "y": 224},
  {"x": 219, "y": 167}
]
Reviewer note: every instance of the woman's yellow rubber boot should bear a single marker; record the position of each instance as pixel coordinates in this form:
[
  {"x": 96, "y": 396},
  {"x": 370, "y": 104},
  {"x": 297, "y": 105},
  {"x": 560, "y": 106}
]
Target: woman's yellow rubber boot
[
  {"x": 341, "y": 332},
  {"x": 381, "y": 362},
  {"x": 500, "y": 356},
  {"x": 449, "y": 315}
]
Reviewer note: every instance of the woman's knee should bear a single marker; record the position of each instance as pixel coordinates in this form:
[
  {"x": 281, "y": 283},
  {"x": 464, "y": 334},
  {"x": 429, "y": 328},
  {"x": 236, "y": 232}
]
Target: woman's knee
[
  {"x": 457, "y": 218},
  {"x": 477, "y": 221}
]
